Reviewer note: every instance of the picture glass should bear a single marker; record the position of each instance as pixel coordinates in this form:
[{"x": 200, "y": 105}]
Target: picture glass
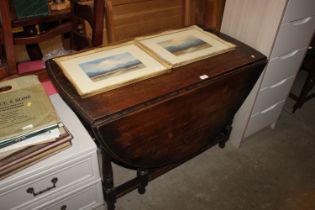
[
  {"x": 106, "y": 68},
  {"x": 183, "y": 45},
  {"x": 111, "y": 66}
]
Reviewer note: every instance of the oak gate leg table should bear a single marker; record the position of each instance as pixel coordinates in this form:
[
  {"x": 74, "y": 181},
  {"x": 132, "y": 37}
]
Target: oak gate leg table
[{"x": 154, "y": 125}]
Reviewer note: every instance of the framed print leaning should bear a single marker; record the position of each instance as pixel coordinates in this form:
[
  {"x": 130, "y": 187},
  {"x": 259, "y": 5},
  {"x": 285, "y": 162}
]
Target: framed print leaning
[
  {"x": 107, "y": 68},
  {"x": 180, "y": 47}
]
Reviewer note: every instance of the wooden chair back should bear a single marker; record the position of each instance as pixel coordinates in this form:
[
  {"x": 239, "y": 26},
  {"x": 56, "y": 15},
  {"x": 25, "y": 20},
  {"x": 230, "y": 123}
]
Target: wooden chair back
[
  {"x": 71, "y": 19},
  {"x": 93, "y": 14}
]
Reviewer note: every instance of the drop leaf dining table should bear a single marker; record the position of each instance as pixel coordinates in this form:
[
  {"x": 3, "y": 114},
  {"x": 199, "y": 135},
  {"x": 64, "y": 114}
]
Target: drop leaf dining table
[{"x": 154, "y": 125}]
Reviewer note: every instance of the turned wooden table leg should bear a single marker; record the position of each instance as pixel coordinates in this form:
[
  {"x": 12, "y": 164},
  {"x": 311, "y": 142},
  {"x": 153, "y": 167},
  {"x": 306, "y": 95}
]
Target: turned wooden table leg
[
  {"x": 108, "y": 182},
  {"x": 143, "y": 175},
  {"x": 225, "y": 135},
  {"x": 222, "y": 144}
]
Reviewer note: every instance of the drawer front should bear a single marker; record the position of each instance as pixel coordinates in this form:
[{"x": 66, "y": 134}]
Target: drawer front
[
  {"x": 273, "y": 94},
  {"x": 293, "y": 36},
  {"x": 283, "y": 67},
  {"x": 299, "y": 9},
  {"x": 47, "y": 184},
  {"x": 264, "y": 118},
  {"x": 83, "y": 199}
]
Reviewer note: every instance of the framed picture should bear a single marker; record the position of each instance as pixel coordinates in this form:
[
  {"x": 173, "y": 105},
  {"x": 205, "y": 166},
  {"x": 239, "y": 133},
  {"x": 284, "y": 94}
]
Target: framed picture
[
  {"x": 184, "y": 46},
  {"x": 107, "y": 68}
]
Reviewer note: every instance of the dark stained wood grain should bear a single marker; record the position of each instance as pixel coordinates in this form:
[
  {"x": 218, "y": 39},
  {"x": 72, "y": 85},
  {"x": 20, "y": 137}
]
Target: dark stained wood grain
[
  {"x": 213, "y": 14},
  {"x": 157, "y": 124},
  {"x": 177, "y": 127},
  {"x": 151, "y": 90},
  {"x": 7, "y": 38},
  {"x": 207, "y": 13},
  {"x": 171, "y": 117},
  {"x": 36, "y": 38}
]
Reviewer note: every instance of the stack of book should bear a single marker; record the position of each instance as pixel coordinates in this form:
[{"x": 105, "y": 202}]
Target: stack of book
[{"x": 30, "y": 128}]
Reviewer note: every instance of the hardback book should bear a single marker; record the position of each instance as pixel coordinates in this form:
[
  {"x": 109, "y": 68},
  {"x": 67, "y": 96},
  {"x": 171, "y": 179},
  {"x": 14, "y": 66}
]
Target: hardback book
[
  {"x": 183, "y": 46},
  {"x": 25, "y": 109},
  {"x": 32, "y": 154},
  {"x": 16, "y": 144},
  {"x": 107, "y": 68}
]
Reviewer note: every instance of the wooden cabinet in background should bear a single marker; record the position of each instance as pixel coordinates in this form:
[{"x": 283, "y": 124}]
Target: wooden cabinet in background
[
  {"x": 207, "y": 13},
  {"x": 126, "y": 19}
]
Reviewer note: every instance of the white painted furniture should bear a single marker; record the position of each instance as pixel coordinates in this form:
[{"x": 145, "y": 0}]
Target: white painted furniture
[
  {"x": 76, "y": 170},
  {"x": 281, "y": 30}
]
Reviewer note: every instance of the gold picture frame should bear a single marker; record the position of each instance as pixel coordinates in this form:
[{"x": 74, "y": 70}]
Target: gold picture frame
[
  {"x": 107, "y": 68},
  {"x": 180, "y": 47}
]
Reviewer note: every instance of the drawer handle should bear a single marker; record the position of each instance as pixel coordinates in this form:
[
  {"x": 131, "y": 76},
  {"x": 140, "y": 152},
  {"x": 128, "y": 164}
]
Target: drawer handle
[
  {"x": 5, "y": 88},
  {"x": 63, "y": 207},
  {"x": 289, "y": 55},
  {"x": 279, "y": 83},
  {"x": 301, "y": 22},
  {"x": 32, "y": 191},
  {"x": 268, "y": 109}
]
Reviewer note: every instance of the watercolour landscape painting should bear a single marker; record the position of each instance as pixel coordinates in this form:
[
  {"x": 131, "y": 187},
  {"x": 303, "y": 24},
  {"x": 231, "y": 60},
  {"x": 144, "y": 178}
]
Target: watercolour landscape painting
[
  {"x": 184, "y": 45},
  {"x": 107, "y": 68},
  {"x": 101, "y": 68}
]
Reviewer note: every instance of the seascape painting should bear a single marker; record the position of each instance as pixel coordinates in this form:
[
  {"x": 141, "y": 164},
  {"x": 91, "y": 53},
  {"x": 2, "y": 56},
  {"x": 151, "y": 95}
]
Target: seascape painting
[
  {"x": 101, "y": 68},
  {"x": 183, "y": 45}
]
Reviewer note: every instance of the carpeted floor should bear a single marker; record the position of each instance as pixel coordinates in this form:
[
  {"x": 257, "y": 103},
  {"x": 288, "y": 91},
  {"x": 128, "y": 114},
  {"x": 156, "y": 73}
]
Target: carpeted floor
[{"x": 272, "y": 170}]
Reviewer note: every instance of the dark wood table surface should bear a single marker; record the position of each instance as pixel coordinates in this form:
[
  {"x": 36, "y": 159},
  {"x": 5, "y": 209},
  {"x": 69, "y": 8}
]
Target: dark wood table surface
[{"x": 158, "y": 123}]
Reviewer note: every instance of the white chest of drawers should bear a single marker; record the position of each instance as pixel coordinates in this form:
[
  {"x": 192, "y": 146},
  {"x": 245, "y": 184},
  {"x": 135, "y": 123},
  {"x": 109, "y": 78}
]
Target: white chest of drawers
[
  {"x": 294, "y": 35},
  {"x": 282, "y": 30},
  {"x": 67, "y": 180}
]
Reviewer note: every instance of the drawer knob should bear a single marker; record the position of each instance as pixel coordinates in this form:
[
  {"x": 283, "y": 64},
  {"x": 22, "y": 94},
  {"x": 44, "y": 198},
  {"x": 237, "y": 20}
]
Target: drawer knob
[
  {"x": 32, "y": 191},
  {"x": 289, "y": 55},
  {"x": 268, "y": 109},
  {"x": 279, "y": 83}
]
